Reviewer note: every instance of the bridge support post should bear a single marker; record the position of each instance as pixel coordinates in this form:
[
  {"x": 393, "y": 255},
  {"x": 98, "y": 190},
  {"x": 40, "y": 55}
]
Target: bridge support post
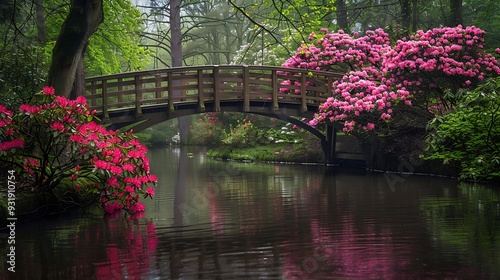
[{"x": 329, "y": 144}]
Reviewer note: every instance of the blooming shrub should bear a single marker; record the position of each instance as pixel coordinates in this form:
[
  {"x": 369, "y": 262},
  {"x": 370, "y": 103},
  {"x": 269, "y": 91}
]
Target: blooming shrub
[
  {"x": 54, "y": 139},
  {"x": 244, "y": 134},
  {"x": 340, "y": 51},
  {"x": 429, "y": 68},
  {"x": 207, "y": 130},
  {"x": 440, "y": 61}
]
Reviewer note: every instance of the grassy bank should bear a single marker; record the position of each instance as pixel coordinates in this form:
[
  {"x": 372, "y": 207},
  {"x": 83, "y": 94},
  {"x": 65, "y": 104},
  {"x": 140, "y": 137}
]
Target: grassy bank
[{"x": 283, "y": 152}]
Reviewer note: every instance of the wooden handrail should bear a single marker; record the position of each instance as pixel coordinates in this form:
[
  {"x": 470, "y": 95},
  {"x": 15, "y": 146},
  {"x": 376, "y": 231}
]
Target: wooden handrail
[{"x": 210, "y": 83}]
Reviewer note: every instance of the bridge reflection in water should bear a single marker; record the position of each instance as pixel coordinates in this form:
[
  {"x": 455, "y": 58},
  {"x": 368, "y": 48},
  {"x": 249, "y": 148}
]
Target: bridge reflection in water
[{"x": 142, "y": 99}]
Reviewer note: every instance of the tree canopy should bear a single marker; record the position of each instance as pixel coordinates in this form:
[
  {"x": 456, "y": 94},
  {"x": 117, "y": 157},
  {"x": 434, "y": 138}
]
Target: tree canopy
[{"x": 30, "y": 30}]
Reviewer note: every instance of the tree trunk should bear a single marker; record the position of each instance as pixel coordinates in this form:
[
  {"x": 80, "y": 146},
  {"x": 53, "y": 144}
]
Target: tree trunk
[
  {"x": 414, "y": 7},
  {"x": 405, "y": 16},
  {"x": 456, "y": 12},
  {"x": 40, "y": 22},
  {"x": 175, "y": 35},
  {"x": 79, "y": 83},
  {"x": 341, "y": 12},
  {"x": 67, "y": 56},
  {"x": 176, "y": 53}
]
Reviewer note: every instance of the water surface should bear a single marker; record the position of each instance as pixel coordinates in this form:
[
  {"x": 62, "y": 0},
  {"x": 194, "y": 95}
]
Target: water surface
[{"x": 229, "y": 220}]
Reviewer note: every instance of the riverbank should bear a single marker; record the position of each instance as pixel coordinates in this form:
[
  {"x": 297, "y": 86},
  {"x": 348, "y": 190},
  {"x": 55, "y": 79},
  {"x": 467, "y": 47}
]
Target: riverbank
[
  {"x": 31, "y": 205},
  {"x": 390, "y": 159},
  {"x": 279, "y": 152}
]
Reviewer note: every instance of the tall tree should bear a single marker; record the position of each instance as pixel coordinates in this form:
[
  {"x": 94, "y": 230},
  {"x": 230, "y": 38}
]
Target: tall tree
[
  {"x": 66, "y": 70},
  {"x": 456, "y": 12},
  {"x": 176, "y": 53},
  {"x": 40, "y": 22},
  {"x": 175, "y": 31},
  {"x": 405, "y": 15},
  {"x": 341, "y": 13}
]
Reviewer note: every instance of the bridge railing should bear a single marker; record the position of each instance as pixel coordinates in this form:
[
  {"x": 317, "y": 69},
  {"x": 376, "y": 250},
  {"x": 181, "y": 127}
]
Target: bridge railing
[{"x": 208, "y": 84}]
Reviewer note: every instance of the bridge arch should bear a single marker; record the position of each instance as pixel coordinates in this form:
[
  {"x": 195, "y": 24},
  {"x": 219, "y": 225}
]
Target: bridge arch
[{"x": 142, "y": 99}]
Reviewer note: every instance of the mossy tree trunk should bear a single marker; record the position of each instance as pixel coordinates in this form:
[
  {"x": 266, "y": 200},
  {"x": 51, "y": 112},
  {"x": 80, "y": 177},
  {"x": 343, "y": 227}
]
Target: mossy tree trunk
[{"x": 66, "y": 69}]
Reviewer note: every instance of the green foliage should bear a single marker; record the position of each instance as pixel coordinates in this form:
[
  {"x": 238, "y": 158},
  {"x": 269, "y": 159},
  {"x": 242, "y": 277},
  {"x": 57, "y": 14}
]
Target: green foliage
[
  {"x": 244, "y": 134},
  {"x": 159, "y": 138},
  {"x": 278, "y": 152},
  {"x": 115, "y": 47},
  {"x": 304, "y": 152},
  {"x": 302, "y": 17},
  {"x": 485, "y": 15},
  {"x": 255, "y": 153},
  {"x": 279, "y": 27},
  {"x": 469, "y": 136},
  {"x": 221, "y": 153},
  {"x": 207, "y": 130},
  {"x": 18, "y": 83},
  {"x": 286, "y": 134},
  {"x": 25, "y": 58},
  {"x": 143, "y": 138}
]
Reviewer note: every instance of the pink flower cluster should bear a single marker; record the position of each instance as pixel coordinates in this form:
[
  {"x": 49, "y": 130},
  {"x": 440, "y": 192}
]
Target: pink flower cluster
[
  {"x": 6, "y": 129},
  {"x": 356, "y": 94},
  {"x": 123, "y": 161},
  {"x": 340, "y": 51},
  {"x": 117, "y": 159},
  {"x": 449, "y": 57},
  {"x": 380, "y": 76}
]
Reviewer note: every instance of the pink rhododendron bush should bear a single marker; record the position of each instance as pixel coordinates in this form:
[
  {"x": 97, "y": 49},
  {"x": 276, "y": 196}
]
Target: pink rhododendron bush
[
  {"x": 426, "y": 71},
  {"x": 54, "y": 140}
]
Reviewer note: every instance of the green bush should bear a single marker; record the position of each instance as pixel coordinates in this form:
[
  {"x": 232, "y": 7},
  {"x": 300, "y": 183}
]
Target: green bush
[
  {"x": 158, "y": 138},
  {"x": 245, "y": 134},
  {"x": 143, "y": 138},
  {"x": 469, "y": 135}
]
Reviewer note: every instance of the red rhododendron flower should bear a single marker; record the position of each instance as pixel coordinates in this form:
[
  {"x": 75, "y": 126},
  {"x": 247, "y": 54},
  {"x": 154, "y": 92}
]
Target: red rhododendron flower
[
  {"x": 5, "y": 111},
  {"x": 150, "y": 191},
  {"x": 137, "y": 207},
  {"x": 48, "y": 90},
  {"x": 7, "y": 145}
]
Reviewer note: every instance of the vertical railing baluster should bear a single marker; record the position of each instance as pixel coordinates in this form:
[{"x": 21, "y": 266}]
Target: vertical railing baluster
[
  {"x": 329, "y": 87},
  {"x": 104, "y": 94},
  {"x": 138, "y": 95},
  {"x": 246, "y": 89},
  {"x": 303, "y": 92},
  {"x": 120, "y": 89},
  {"x": 157, "y": 86},
  {"x": 276, "y": 89},
  {"x": 93, "y": 93},
  {"x": 217, "y": 87},
  {"x": 201, "y": 101},
  {"x": 171, "y": 108}
]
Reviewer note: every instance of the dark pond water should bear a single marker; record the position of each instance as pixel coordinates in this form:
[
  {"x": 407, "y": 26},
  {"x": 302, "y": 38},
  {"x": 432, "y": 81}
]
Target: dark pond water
[{"x": 228, "y": 220}]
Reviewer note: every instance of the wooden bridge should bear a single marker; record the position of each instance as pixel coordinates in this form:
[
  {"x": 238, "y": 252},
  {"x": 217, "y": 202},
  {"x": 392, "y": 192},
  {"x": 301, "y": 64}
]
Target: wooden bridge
[{"x": 142, "y": 99}]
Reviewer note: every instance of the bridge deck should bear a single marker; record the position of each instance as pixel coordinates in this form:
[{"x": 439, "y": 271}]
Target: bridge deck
[{"x": 201, "y": 85}]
